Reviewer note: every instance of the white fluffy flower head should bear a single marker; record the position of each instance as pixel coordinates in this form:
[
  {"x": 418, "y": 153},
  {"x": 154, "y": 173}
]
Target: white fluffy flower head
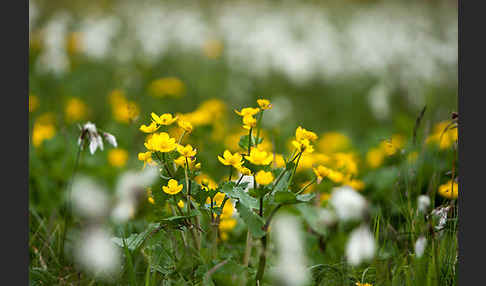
[
  {"x": 361, "y": 245},
  {"x": 348, "y": 203}
]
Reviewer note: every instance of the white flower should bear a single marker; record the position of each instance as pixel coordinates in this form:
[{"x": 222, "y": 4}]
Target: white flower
[
  {"x": 441, "y": 213},
  {"x": 110, "y": 139},
  {"x": 420, "y": 245},
  {"x": 349, "y": 205},
  {"x": 90, "y": 133},
  {"x": 291, "y": 269},
  {"x": 361, "y": 245},
  {"x": 423, "y": 203},
  {"x": 130, "y": 186},
  {"x": 97, "y": 254},
  {"x": 88, "y": 198},
  {"x": 123, "y": 211}
]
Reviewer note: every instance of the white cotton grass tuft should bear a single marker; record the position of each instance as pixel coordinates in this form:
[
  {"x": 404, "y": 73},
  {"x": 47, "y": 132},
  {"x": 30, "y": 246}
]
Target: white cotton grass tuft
[
  {"x": 361, "y": 245},
  {"x": 348, "y": 203},
  {"x": 291, "y": 268},
  {"x": 89, "y": 199},
  {"x": 90, "y": 134},
  {"x": 420, "y": 245},
  {"x": 97, "y": 254},
  {"x": 441, "y": 214},
  {"x": 423, "y": 203},
  {"x": 130, "y": 186}
]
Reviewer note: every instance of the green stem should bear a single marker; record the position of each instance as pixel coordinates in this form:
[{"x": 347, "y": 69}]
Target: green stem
[
  {"x": 249, "y": 141},
  {"x": 259, "y": 126},
  {"x": 306, "y": 186}
]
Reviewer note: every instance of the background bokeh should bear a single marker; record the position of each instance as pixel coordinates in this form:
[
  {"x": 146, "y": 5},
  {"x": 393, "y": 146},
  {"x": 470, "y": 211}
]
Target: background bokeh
[{"x": 362, "y": 68}]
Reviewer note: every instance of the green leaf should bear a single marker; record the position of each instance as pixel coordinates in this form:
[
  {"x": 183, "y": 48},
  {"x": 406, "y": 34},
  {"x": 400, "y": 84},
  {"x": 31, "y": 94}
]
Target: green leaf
[
  {"x": 253, "y": 221},
  {"x": 311, "y": 217},
  {"x": 284, "y": 181},
  {"x": 244, "y": 141},
  {"x": 287, "y": 197},
  {"x": 135, "y": 240},
  {"x": 237, "y": 192}
]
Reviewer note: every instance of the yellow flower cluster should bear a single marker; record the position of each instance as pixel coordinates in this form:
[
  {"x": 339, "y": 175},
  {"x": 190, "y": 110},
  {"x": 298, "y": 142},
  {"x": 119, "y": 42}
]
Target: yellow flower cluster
[
  {"x": 303, "y": 139},
  {"x": 389, "y": 147},
  {"x": 209, "y": 112},
  {"x": 44, "y": 129},
  {"x": 123, "y": 110},
  {"x": 75, "y": 110},
  {"x": 167, "y": 86},
  {"x": 449, "y": 137}
]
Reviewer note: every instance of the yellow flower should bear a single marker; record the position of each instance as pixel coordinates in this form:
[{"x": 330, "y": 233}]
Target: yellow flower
[
  {"x": 118, "y": 157},
  {"x": 75, "y": 110},
  {"x": 390, "y": 147},
  {"x": 264, "y": 178},
  {"x": 186, "y": 125},
  {"x": 249, "y": 122},
  {"x": 168, "y": 86},
  {"x": 161, "y": 142},
  {"x": 375, "y": 157},
  {"x": 303, "y": 134},
  {"x": 150, "y": 198},
  {"x": 33, "y": 103},
  {"x": 355, "y": 184},
  {"x": 303, "y": 146},
  {"x": 244, "y": 171},
  {"x": 146, "y": 158},
  {"x": 363, "y": 284},
  {"x": 229, "y": 159},
  {"x": 259, "y": 157},
  {"x": 172, "y": 187},
  {"x": 332, "y": 142},
  {"x": 180, "y": 204},
  {"x": 227, "y": 211},
  {"x": 449, "y": 137},
  {"x": 123, "y": 110},
  {"x": 264, "y": 104},
  {"x": 149, "y": 129},
  {"x": 186, "y": 151},
  {"x": 206, "y": 182},
  {"x": 248, "y": 111},
  {"x": 346, "y": 162},
  {"x": 321, "y": 172},
  {"x": 324, "y": 197},
  {"x": 181, "y": 162},
  {"x": 43, "y": 129},
  {"x": 445, "y": 190},
  {"x": 335, "y": 176},
  {"x": 279, "y": 161},
  {"x": 227, "y": 224},
  {"x": 164, "y": 119}
]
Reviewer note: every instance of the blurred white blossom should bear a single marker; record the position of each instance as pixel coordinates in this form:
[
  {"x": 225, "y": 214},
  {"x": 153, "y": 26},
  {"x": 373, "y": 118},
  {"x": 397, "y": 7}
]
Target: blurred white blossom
[
  {"x": 420, "y": 245},
  {"x": 360, "y": 246},
  {"x": 130, "y": 186},
  {"x": 348, "y": 203},
  {"x": 88, "y": 198},
  {"x": 97, "y": 254},
  {"x": 291, "y": 268},
  {"x": 423, "y": 203}
]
